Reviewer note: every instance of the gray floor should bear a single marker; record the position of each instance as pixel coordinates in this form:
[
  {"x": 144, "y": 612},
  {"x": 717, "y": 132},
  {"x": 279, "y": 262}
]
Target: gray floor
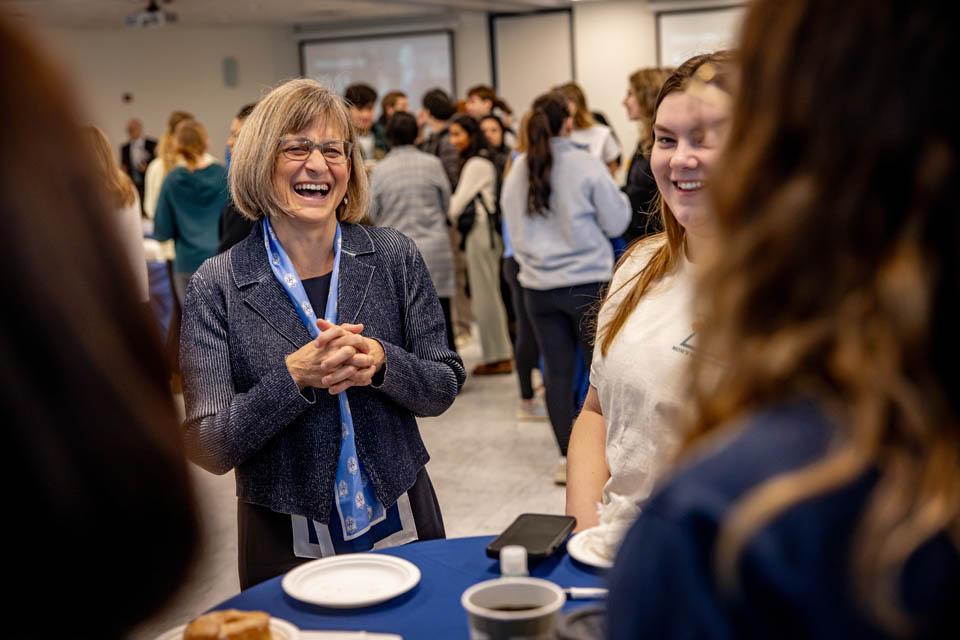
[{"x": 487, "y": 469}]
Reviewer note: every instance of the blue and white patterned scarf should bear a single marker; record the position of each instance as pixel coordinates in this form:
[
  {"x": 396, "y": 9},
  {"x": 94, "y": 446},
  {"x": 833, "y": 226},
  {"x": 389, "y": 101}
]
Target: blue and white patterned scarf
[{"x": 357, "y": 504}]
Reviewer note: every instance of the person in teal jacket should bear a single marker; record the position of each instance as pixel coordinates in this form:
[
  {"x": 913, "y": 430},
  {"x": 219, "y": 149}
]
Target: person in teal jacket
[{"x": 191, "y": 199}]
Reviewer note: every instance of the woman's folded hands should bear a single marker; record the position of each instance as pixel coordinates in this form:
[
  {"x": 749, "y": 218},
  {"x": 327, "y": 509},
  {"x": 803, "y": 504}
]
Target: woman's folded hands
[{"x": 339, "y": 358}]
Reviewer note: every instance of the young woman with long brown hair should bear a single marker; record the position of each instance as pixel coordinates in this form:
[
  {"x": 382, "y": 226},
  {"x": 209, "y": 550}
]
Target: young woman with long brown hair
[
  {"x": 624, "y": 438},
  {"x": 123, "y": 197},
  {"x": 641, "y": 104},
  {"x": 190, "y": 204},
  {"x": 561, "y": 207},
  {"x": 483, "y": 246},
  {"x": 596, "y": 138},
  {"x": 821, "y": 492}
]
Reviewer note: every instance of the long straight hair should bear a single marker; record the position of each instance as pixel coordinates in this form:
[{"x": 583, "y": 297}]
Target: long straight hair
[
  {"x": 116, "y": 183},
  {"x": 583, "y": 118},
  {"x": 846, "y": 295},
  {"x": 671, "y": 241},
  {"x": 645, "y": 86},
  {"x": 191, "y": 140},
  {"x": 167, "y": 147},
  {"x": 546, "y": 120}
]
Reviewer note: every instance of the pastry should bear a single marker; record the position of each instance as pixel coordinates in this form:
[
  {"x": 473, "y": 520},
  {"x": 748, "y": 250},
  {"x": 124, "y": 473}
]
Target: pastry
[{"x": 230, "y": 625}]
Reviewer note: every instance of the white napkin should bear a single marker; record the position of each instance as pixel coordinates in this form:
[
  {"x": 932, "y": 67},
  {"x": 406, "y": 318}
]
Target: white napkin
[{"x": 616, "y": 517}]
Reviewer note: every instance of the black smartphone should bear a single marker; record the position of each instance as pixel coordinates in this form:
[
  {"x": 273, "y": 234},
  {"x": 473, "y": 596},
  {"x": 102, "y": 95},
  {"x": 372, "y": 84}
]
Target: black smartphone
[{"x": 539, "y": 533}]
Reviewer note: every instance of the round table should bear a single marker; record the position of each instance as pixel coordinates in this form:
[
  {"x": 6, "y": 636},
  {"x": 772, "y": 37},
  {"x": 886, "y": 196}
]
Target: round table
[{"x": 429, "y": 610}]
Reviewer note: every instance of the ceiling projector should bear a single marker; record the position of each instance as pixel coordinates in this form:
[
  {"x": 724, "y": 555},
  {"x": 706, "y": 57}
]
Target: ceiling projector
[{"x": 152, "y": 16}]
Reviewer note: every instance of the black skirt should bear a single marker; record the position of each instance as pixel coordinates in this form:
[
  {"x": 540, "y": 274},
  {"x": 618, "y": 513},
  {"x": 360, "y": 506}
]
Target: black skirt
[{"x": 265, "y": 545}]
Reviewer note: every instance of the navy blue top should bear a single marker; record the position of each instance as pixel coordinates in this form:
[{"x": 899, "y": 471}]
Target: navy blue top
[{"x": 794, "y": 573}]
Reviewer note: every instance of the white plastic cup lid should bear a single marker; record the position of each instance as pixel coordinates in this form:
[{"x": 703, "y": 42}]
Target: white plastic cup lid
[{"x": 513, "y": 561}]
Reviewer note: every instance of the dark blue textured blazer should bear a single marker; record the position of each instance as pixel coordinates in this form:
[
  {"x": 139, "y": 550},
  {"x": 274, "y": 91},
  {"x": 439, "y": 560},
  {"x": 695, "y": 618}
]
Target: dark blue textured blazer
[{"x": 244, "y": 411}]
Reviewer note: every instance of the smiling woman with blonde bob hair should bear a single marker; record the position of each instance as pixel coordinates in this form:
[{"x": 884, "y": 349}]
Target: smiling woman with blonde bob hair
[
  {"x": 290, "y": 107},
  {"x": 309, "y": 347}
]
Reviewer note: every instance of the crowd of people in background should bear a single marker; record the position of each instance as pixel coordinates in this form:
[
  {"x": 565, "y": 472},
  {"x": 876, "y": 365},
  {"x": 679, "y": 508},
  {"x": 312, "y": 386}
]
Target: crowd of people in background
[{"x": 438, "y": 176}]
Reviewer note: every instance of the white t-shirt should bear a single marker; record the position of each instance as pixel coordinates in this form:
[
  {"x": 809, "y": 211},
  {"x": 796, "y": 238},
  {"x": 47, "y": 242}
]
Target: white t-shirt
[
  {"x": 640, "y": 382},
  {"x": 598, "y": 140}
]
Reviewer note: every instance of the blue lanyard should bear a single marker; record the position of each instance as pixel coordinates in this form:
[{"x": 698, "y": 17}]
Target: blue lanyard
[{"x": 357, "y": 504}]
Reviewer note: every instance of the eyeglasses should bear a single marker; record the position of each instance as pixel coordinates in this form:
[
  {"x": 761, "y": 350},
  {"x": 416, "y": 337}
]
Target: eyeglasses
[{"x": 333, "y": 151}]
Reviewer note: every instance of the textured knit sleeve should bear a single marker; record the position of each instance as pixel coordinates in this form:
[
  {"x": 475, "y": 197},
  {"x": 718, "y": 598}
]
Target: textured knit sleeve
[
  {"x": 423, "y": 375},
  {"x": 224, "y": 428}
]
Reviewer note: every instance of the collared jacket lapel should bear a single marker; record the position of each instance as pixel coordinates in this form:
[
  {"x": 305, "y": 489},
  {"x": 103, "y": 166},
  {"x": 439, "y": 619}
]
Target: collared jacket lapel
[
  {"x": 260, "y": 289},
  {"x": 355, "y": 273}
]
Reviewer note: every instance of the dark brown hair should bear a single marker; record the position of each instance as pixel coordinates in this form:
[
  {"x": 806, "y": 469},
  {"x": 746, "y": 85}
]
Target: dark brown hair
[
  {"x": 645, "y": 86},
  {"x": 94, "y": 459},
  {"x": 546, "y": 121},
  {"x": 191, "y": 140},
  {"x": 846, "y": 294},
  {"x": 485, "y": 92},
  {"x": 670, "y": 242},
  {"x": 360, "y": 95},
  {"x": 582, "y": 119},
  {"x": 167, "y": 147},
  {"x": 390, "y": 100},
  {"x": 478, "y": 142}
]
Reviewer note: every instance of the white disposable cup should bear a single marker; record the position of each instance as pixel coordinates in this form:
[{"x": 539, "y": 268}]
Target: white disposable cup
[{"x": 513, "y": 609}]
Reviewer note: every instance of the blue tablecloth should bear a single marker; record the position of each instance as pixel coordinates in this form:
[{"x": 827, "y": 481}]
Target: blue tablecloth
[{"x": 432, "y": 608}]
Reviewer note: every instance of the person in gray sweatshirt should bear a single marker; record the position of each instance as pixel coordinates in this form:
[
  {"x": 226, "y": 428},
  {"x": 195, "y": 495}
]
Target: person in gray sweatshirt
[{"x": 561, "y": 206}]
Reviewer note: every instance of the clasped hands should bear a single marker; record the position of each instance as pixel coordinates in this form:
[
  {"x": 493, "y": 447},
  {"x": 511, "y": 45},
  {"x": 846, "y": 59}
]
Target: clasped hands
[{"x": 337, "y": 359}]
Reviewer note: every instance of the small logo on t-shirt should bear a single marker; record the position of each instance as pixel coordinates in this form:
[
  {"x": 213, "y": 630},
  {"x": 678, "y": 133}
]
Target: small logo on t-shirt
[{"x": 689, "y": 345}]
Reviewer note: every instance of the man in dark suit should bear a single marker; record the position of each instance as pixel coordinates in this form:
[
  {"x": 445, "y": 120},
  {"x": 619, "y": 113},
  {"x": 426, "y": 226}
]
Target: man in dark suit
[{"x": 137, "y": 154}]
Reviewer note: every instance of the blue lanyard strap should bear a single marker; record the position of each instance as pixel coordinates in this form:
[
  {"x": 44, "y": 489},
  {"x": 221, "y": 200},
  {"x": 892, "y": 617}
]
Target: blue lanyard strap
[{"x": 357, "y": 505}]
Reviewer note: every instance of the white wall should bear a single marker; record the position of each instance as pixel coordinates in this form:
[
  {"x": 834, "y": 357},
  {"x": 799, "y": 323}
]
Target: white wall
[
  {"x": 472, "y": 51},
  {"x": 611, "y": 41},
  {"x": 181, "y": 68},
  {"x": 171, "y": 69}
]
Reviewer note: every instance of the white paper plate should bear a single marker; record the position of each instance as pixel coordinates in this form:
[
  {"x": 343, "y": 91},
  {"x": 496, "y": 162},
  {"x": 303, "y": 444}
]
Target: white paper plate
[
  {"x": 580, "y": 548},
  {"x": 352, "y": 580},
  {"x": 279, "y": 629}
]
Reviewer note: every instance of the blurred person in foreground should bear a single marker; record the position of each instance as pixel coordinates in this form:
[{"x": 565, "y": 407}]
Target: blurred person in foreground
[
  {"x": 309, "y": 348},
  {"x": 99, "y": 490},
  {"x": 819, "y": 495},
  {"x": 410, "y": 193}
]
